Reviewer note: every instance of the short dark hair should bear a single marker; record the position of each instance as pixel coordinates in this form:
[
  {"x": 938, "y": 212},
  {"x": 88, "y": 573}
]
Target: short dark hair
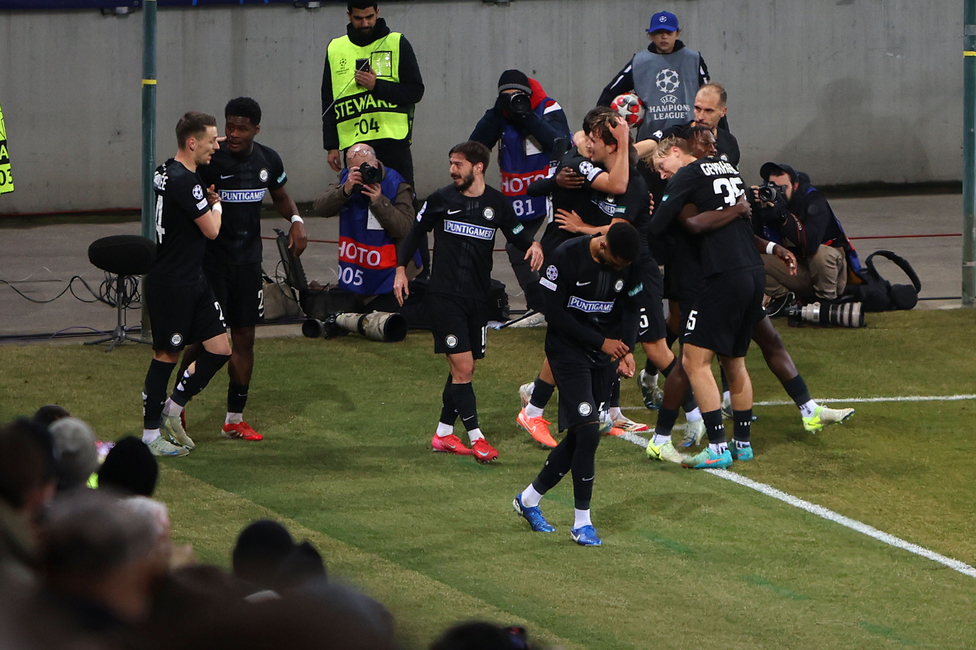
[
  {"x": 599, "y": 122},
  {"x": 244, "y": 107},
  {"x": 473, "y": 152},
  {"x": 623, "y": 241},
  {"x": 360, "y": 4},
  {"x": 193, "y": 123}
]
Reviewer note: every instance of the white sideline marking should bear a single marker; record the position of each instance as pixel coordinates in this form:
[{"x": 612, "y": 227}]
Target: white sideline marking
[
  {"x": 829, "y": 515},
  {"x": 854, "y": 400}
]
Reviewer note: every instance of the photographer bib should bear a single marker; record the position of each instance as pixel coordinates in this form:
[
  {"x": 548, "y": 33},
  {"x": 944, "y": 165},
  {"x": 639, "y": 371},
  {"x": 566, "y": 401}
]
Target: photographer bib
[{"x": 667, "y": 84}]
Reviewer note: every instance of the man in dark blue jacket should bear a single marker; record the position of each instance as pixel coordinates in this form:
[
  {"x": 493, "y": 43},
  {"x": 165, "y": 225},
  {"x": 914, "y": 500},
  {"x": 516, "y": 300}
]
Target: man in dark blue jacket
[
  {"x": 801, "y": 220},
  {"x": 527, "y": 124}
]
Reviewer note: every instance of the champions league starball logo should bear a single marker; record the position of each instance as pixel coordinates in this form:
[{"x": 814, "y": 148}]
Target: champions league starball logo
[
  {"x": 552, "y": 273},
  {"x": 667, "y": 81}
]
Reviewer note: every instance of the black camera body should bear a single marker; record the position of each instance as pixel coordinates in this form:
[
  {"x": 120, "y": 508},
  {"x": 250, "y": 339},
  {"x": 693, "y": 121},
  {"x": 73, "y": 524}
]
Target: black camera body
[
  {"x": 518, "y": 103},
  {"x": 769, "y": 192},
  {"x": 370, "y": 176}
]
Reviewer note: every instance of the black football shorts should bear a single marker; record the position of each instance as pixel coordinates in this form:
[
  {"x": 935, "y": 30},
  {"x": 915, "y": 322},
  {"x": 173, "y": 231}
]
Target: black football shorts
[
  {"x": 239, "y": 289},
  {"x": 458, "y": 324},
  {"x": 182, "y": 315},
  {"x": 726, "y": 311}
]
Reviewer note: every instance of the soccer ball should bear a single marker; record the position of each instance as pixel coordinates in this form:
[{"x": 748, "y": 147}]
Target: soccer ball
[{"x": 630, "y": 107}]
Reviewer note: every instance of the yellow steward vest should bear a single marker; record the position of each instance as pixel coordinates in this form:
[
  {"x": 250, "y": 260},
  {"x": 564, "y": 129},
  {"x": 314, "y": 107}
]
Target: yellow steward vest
[{"x": 360, "y": 117}]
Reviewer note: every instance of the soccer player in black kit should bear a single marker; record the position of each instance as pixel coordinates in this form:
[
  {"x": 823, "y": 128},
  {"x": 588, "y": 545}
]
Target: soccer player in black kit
[
  {"x": 243, "y": 172},
  {"x": 464, "y": 217},
  {"x": 728, "y": 303},
  {"x": 592, "y": 311},
  {"x": 181, "y": 305}
]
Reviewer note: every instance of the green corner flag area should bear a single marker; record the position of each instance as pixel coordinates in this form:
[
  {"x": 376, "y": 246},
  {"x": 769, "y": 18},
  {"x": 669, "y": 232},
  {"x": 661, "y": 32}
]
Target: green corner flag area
[{"x": 689, "y": 560}]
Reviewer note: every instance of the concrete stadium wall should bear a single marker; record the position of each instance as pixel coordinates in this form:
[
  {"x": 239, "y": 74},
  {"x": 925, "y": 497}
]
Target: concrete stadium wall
[{"x": 851, "y": 91}]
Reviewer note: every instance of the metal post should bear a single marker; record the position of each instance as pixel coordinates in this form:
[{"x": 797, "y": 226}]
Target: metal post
[
  {"x": 969, "y": 157},
  {"x": 149, "y": 134}
]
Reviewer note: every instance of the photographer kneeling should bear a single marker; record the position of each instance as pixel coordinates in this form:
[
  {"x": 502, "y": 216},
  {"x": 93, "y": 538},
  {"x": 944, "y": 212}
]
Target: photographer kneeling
[
  {"x": 375, "y": 208},
  {"x": 787, "y": 210}
]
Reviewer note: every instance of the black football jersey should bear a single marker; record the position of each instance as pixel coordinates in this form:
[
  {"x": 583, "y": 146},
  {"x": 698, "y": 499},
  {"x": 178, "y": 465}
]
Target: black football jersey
[
  {"x": 242, "y": 182},
  {"x": 588, "y": 302},
  {"x": 710, "y": 184},
  {"x": 464, "y": 236},
  {"x": 594, "y": 208},
  {"x": 181, "y": 198}
]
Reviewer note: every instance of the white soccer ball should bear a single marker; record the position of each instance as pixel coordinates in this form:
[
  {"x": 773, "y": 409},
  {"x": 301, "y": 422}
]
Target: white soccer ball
[{"x": 630, "y": 107}]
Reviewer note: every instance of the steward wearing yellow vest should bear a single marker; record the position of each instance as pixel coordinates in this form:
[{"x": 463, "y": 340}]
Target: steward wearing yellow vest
[{"x": 370, "y": 84}]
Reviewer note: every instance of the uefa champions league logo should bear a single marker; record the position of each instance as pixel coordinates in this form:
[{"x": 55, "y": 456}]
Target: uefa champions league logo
[{"x": 668, "y": 81}]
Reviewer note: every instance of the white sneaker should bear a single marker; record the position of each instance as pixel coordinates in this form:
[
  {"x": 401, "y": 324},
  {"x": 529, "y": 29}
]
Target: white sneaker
[
  {"x": 174, "y": 429},
  {"x": 650, "y": 391},
  {"x": 525, "y": 392},
  {"x": 694, "y": 432},
  {"x": 163, "y": 447},
  {"x": 628, "y": 425},
  {"x": 538, "y": 319},
  {"x": 665, "y": 452}
]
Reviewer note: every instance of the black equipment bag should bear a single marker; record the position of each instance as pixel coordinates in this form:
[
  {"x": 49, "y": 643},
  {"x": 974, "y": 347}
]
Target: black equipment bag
[{"x": 878, "y": 294}]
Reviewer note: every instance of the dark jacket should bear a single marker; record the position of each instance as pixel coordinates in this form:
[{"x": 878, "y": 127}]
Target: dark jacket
[
  {"x": 803, "y": 223},
  {"x": 623, "y": 82}
]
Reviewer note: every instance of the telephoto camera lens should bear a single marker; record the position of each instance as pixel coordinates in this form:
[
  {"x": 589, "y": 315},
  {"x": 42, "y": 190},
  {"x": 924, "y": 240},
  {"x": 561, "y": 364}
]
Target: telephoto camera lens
[
  {"x": 847, "y": 314},
  {"x": 520, "y": 103}
]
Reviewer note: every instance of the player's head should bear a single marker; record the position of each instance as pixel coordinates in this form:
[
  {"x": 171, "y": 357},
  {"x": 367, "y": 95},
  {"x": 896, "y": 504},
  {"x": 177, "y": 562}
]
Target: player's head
[
  {"x": 702, "y": 141},
  {"x": 469, "y": 160},
  {"x": 243, "y": 122},
  {"x": 620, "y": 246},
  {"x": 598, "y": 125},
  {"x": 362, "y": 15},
  {"x": 710, "y": 105},
  {"x": 783, "y": 175},
  {"x": 360, "y": 153},
  {"x": 672, "y": 154},
  {"x": 196, "y": 135},
  {"x": 664, "y": 31}
]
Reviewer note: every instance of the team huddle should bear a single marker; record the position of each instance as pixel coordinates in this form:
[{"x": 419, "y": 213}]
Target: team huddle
[{"x": 618, "y": 212}]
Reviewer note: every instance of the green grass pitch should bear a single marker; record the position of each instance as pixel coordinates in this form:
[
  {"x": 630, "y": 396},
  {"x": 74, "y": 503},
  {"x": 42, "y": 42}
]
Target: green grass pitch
[{"x": 689, "y": 560}]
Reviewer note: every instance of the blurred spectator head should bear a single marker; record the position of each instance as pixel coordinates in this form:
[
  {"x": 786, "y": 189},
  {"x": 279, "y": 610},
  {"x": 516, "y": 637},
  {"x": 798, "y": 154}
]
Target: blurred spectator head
[
  {"x": 26, "y": 466},
  {"x": 267, "y": 556},
  {"x": 106, "y": 551},
  {"x": 74, "y": 444},
  {"x": 130, "y": 468},
  {"x": 50, "y": 413},
  {"x": 479, "y": 635},
  {"x": 259, "y": 550}
]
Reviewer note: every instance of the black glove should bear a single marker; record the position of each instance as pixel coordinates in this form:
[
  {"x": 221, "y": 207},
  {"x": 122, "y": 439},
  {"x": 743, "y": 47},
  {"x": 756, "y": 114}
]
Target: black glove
[{"x": 501, "y": 106}]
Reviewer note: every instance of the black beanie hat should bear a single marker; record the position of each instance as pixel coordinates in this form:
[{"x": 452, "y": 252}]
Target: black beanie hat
[
  {"x": 514, "y": 80},
  {"x": 130, "y": 467}
]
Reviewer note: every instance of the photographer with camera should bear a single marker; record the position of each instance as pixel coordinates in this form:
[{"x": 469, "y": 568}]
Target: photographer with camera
[
  {"x": 527, "y": 124},
  {"x": 789, "y": 211},
  {"x": 375, "y": 208}
]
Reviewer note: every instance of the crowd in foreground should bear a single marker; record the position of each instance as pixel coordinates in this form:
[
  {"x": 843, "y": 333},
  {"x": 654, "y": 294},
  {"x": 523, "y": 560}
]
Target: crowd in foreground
[{"x": 87, "y": 560}]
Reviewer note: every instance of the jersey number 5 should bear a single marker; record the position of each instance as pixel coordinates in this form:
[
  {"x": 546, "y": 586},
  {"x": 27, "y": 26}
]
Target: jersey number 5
[
  {"x": 692, "y": 320},
  {"x": 730, "y": 189}
]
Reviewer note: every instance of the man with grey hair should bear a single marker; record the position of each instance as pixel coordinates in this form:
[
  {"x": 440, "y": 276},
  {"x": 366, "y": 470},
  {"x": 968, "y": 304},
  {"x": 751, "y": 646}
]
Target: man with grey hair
[{"x": 375, "y": 208}]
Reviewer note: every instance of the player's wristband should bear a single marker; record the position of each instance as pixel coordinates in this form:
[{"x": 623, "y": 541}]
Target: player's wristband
[
  {"x": 297, "y": 219},
  {"x": 769, "y": 248},
  {"x": 216, "y": 207}
]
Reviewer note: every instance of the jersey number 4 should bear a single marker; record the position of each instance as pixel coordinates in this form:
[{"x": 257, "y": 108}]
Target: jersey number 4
[
  {"x": 730, "y": 189},
  {"x": 160, "y": 231}
]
